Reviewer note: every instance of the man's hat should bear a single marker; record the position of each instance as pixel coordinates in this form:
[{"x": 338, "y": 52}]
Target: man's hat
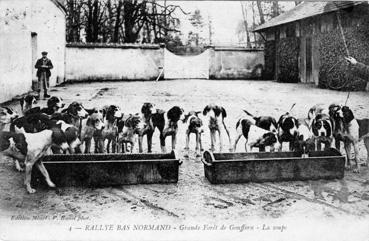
[{"x": 44, "y": 53}]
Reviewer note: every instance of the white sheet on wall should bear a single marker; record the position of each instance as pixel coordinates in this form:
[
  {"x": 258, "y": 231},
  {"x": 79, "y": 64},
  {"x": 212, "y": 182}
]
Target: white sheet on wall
[{"x": 186, "y": 67}]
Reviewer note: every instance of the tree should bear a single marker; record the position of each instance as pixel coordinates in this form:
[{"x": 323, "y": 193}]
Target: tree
[
  {"x": 197, "y": 22},
  {"x": 120, "y": 20}
]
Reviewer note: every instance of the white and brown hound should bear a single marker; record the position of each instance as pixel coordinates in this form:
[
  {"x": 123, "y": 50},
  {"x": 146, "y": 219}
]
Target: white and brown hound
[
  {"x": 216, "y": 115},
  {"x": 127, "y": 130},
  {"x": 91, "y": 128},
  {"x": 112, "y": 114},
  {"x": 195, "y": 126}
]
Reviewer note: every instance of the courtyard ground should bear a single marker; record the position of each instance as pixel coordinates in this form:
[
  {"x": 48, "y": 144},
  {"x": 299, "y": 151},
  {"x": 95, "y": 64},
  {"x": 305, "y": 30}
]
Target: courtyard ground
[{"x": 193, "y": 198}]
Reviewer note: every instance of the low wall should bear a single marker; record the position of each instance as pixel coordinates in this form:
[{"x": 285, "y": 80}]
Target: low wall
[
  {"x": 236, "y": 63},
  {"x": 87, "y": 62}
]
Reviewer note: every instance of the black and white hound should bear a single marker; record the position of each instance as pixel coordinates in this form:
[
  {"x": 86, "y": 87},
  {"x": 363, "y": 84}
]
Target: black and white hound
[
  {"x": 287, "y": 130},
  {"x": 167, "y": 124},
  {"x": 351, "y": 132},
  {"x": 145, "y": 126},
  {"x": 27, "y": 102},
  {"x": 255, "y": 136},
  {"x": 216, "y": 115},
  {"x": 323, "y": 128},
  {"x": 54, "y": 105},
  {"x": 7, "y": 115}
]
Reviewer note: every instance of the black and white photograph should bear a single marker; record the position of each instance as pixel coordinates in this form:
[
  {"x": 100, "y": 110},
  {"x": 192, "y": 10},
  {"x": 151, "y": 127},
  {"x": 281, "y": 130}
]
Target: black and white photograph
[{"x": 184, "y": 120}]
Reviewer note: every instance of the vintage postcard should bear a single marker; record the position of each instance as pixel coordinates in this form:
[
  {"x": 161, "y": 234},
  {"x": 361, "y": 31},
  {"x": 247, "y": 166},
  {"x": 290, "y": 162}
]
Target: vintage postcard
[{"x": 184, "y": 120}]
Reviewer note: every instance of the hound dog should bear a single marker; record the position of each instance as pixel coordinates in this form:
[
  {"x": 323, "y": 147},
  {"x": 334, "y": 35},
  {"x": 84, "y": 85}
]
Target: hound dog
[
  {"x": 31, "y": 123},
  {"x": 268, "y": 123},
  {"x": 167, "y": 124},
  {"x": 216, "y": 115},
  {"x": 71, "y": 135},
  {"x": 110, "y": 132},
  {"x": 54, "y": 105},
  {"x": 127, "y": 130},
  {"x": 27, "y": 102},
  {"x": 304, "y": 142},
  {"x": 195, "y": 126},
  {"x": 355, "y": 130},
  {"x": 145, "y": 126},
  {"x": 92, "y": 128},
  {"x": 287, "y": 130},
  {"x": 14, "y": 145},
  {"x": 7, "y": 115},
  {"x": 37, "y": 146},
  {"x": 322, "y": 128},
  {"x": 73, "y": 114},
  {"x": 255, "y": 136}
]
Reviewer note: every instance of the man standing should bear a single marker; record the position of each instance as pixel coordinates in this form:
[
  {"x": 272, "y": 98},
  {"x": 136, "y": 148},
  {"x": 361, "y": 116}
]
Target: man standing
[{"x": 43, "y": 67}]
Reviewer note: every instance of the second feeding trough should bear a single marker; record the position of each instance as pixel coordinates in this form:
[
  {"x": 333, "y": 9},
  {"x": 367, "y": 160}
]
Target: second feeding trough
[{"x": 272, "y": 166}]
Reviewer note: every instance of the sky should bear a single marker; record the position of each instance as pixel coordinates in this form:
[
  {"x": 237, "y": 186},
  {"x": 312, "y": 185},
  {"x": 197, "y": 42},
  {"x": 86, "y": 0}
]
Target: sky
[{"x": 225, "y": 16}]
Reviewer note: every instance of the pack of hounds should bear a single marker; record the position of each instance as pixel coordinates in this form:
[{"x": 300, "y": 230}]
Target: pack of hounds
[{"x": 60, "y": 129}]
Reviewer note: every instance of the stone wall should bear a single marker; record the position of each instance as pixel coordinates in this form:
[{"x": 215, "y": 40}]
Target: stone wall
[
  {"x": 236, "y": 63},
  {"x": 91, "y": 62}
]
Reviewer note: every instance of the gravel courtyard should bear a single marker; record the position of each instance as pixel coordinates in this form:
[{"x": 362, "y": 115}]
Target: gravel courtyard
[{"x": 193, "y": 197}]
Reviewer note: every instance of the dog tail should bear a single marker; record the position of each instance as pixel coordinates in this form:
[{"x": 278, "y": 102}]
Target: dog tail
[
  {"x": 248, "y": 113},
  {"x": 293, "y": 105}
]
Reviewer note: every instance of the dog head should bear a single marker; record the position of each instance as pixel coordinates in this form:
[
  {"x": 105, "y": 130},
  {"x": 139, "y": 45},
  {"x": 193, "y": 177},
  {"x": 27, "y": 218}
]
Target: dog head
[
  {"x": 190, "y": 114},
  {"x": 28, "y": 101},
  {"x": 19, "y": 142},
  {"x": 112, "y": 113},
  {"x": 347, "y": 114},
  {"x": 322, "y": 126},
  {"x": 96, "y": 121},
  {"x": 76, "y": 109},
  {"x": 288, "y": 124},
  {"x": 267, "y": 139},
  {"x": 214, "y": 111},
  {"x": 55, "y": 103},
  {"x": 7, "y": 115},
  {"x": 266, "y": 122},
  {"x": 95, "y": 111},
  {"x": 175, "y": 114},
  {"x": 147, "y": 109},
  {"x": 128, "y": 126},
  {"x": 303, "y": 145}
]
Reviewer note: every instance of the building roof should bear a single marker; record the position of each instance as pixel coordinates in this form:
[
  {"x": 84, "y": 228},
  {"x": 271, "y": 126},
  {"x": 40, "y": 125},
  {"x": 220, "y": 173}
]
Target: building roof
[{"x": 306, "y": 10}]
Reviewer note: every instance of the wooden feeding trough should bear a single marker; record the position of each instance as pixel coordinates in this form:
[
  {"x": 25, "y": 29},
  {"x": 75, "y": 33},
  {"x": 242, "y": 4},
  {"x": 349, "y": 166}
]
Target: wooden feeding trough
[
  {"x": 97, "y": 170},
  {"x": 272, "y": 166}
]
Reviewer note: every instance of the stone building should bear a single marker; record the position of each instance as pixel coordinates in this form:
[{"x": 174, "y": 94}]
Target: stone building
[
  {"x": 308, "y": 43},
  {"x": 28, "y": 27}
]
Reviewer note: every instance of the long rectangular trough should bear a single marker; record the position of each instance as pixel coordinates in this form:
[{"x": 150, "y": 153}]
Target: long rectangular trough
[
  {"x": 272, "y": 166},
  {"x": 98, "y": 170}
]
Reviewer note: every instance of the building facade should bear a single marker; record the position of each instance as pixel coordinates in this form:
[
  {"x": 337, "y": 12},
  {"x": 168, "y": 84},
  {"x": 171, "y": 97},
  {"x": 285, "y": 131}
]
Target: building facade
[
  {"x": 308, "y": 44},
  {"x": 28, "y": 27}
]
